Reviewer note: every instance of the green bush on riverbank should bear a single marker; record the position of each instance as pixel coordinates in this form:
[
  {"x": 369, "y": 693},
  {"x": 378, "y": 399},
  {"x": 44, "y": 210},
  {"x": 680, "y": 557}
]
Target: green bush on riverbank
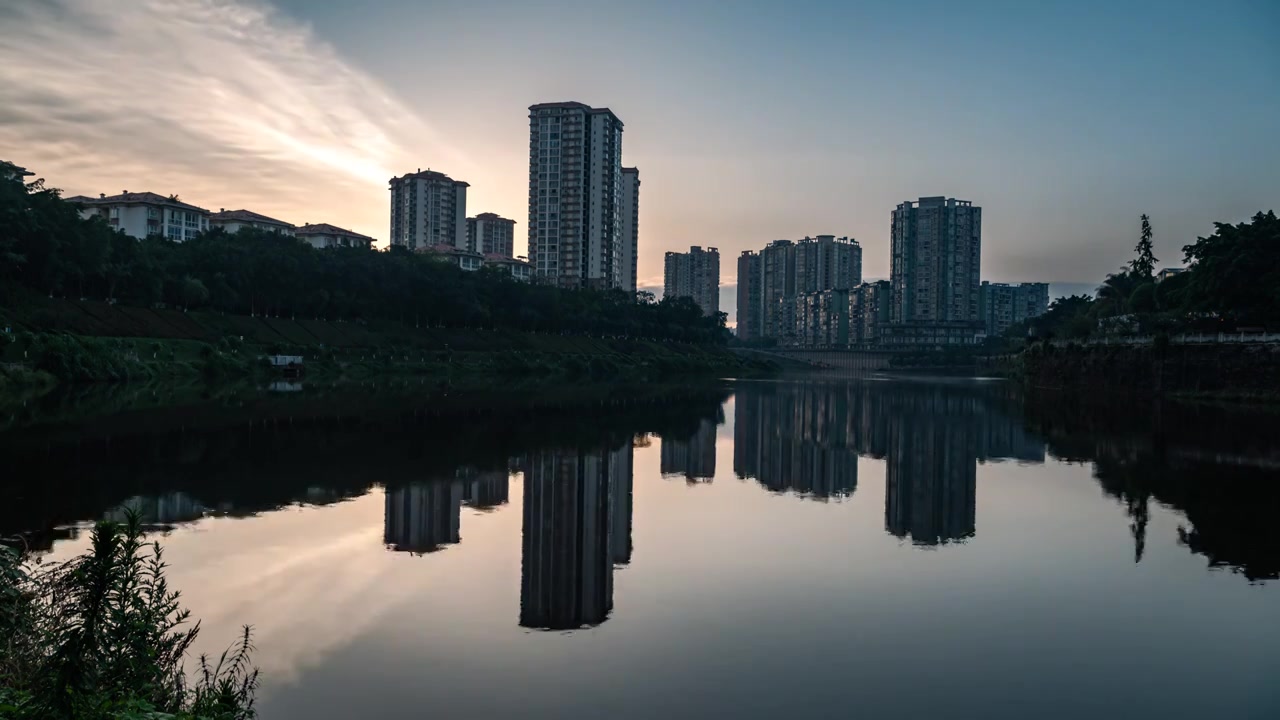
[
  {"x": 103, "y": 636},
  {"x": 88, "y": 341}
]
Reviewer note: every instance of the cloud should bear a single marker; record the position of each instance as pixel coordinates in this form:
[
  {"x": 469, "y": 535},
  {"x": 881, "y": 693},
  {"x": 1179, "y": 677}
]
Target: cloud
[{"x": 224, "y": 102}]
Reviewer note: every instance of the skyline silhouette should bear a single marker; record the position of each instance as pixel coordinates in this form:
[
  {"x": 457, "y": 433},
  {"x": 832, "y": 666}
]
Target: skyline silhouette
[{"x": 303, "y": 111}]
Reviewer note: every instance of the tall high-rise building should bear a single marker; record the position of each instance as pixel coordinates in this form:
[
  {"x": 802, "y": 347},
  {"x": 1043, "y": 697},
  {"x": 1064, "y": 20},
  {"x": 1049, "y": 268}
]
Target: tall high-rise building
[
  {"x": 696, "y": 275},
  {"x": 790, "y": 269},
  {"x": 630, "y": 227},
  {"x": 749, "y": 298},
  {"x": 428, "y": 208},
  {"x": 868, "y": 312},
  {"x": 826, "y": 262},
  {"x": 575, "y": 195},
  {"x": 1002, "y": 306},
  {"x": 490, "y": 234},
  {"x": 936, "y": 249},
  {"x": 777, "y": 288}
]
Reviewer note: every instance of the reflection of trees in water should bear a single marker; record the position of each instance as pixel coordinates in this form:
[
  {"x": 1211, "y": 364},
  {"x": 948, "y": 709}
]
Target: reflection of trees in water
[
  {"x": 241, "y": 463},
  {"x": 1216, "y": 466}
]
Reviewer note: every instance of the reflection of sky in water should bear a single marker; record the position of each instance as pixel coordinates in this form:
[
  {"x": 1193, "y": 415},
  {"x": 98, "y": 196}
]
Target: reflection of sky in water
[{"x": 742, "y": 602}]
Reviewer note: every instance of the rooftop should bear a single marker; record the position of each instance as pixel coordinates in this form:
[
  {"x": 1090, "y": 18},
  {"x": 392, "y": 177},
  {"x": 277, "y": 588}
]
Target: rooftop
[
  {"x": 503, "y": 259},
  {"x": 245, "y": 216},
  {"x": 571, "y": 105},
  {"x": 327, "y": 229},
  {"x": 491, "y": 216},
  {"x": 428, "y": 174},
  {"x": 138, "y": 198}
]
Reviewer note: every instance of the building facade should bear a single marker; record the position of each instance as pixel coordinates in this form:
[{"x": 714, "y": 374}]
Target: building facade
[
  {"x": 868, "y": 312},
  {"x": 696, "y": 275},
  {"x": 428, "y": 208},
  {"x": 777, "y": 288},
  {"x": 749, "y": 298},
  {"x": 323, "y": 235},
  {"x": 630, "y": 227},
  {"x": 788, "y": 270},
  {"x": 822, "y": 319},
  {"x": 519, "y": 268},
  {"x": 1002, "y": 306},
  {"x": 233, "y": 221},
  {"x": 462, "y": 257},
  {"x": 144, "y": 214},
  {"x": 936, "y": 250},
  {"x": 576, "y": 195},
  {"x": 490, "y": 234},
  {"x": 826, "y": 262}
]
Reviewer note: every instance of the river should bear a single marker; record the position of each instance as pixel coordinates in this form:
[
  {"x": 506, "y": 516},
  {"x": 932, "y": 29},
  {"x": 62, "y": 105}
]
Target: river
[{"x": 807, "y": 548}]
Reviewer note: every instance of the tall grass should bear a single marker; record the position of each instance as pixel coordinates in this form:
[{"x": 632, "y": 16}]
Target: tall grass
[{"x": 103, "y": 636}]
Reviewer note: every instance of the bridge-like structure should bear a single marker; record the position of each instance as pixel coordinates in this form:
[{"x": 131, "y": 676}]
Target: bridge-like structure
[{"x": 824, "y": 359}]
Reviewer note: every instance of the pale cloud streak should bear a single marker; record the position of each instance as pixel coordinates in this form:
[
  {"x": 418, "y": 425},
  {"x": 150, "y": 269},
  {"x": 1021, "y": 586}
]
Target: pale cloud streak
[{"x": 224, "y": 102}]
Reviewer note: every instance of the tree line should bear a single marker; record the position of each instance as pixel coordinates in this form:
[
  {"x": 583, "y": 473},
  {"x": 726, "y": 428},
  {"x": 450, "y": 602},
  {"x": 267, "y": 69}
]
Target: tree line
[
  {"x": 1231, "y": 282},
  {"x": 48, "y": 248}
]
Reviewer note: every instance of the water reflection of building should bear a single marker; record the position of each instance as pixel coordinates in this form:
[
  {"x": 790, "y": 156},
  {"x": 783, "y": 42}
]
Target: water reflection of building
[
  {"x": 163, "y": 509},
  {"x": 693, "y": 457},
  {"x": 486, "y": 490},
  {"x": 423, "y": 517},
  {"x": 931, "y": 477},
  {"x": 793, "y": 441},
  {"x": 576, "y": 505},
  {"x": 805, "y": 438},
  {"x": 621, "y": 473}
]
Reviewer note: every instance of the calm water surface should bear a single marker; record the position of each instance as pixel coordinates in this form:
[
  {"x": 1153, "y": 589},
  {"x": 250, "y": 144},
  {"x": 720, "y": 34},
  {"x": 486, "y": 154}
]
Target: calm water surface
[{"x": 807, "y": 549}]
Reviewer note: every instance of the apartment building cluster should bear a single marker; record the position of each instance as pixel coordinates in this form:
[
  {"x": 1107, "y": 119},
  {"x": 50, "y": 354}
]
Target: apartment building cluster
[
  {"x": 1001, "y": 305},
  {"x": 583, "y": 207},
  {"x": 695, "y": 275},
  {"x": 809, "y": 293},
  {"x": 429, "y": 215},
  {"x": 798, "y": 293},
  {"x": 147, "y": 214}
]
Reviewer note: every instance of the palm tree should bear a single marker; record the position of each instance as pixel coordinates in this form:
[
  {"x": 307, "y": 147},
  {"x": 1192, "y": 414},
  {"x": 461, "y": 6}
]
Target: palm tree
[{"x": 1113, "y": 294}]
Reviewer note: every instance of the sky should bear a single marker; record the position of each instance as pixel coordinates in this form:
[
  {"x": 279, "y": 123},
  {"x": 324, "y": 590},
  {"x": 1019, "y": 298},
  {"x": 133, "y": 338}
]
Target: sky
[{"x": 749, "y": 121}]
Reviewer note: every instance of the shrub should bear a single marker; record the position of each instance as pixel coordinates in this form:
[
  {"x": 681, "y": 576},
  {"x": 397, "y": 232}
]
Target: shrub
[{"x": 103, "y": 636}]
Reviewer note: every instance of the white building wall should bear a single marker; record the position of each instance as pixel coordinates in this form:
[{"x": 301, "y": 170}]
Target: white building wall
[
  {"x": 460, "y": 216},
  {"x": 629, "y": 230}
]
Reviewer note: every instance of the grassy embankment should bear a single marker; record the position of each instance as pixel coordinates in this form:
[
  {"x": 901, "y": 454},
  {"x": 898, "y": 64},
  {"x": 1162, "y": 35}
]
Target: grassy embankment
[{"x": 88, "y": 341}]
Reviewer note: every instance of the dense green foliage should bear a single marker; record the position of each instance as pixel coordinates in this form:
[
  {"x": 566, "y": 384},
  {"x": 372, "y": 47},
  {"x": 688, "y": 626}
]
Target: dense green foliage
[
  {"x": 46, "y": 247},
  {"x": 103, "y": 636},
  {"x": 1232, "y": 281}
]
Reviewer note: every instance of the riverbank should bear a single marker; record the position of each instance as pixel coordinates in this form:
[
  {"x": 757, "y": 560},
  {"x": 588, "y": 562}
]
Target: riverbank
[
  {"x": 1208, "y": 372},
  {"x": 86, "y": 341}
]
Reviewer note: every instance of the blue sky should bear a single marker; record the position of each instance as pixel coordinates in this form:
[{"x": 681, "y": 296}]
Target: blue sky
[{"x": 749, "y": 121}]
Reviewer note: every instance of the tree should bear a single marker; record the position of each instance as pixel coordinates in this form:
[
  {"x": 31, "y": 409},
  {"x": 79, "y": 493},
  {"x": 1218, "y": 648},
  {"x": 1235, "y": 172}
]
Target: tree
[
  {"x": 1067, "y": 317},
  {"x": 1235, "y": 272},
  {"x": 1143, "y": 298},
  {"x": 194, "y": 293},
  {"x": 46, "y": 247},
  {"x": 1144, "y": 265},
  {"x": 1114, "y": 293}
]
